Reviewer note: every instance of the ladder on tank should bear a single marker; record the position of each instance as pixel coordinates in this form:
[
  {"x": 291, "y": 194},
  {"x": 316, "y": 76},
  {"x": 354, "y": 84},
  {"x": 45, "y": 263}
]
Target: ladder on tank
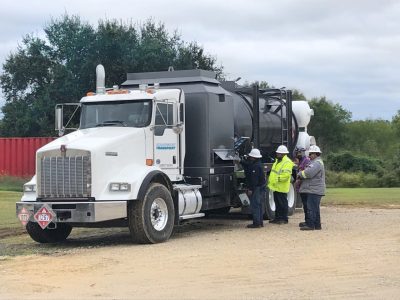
[
  {"x": 284, "y": 98},
  {"x": 281, "y": 96}
]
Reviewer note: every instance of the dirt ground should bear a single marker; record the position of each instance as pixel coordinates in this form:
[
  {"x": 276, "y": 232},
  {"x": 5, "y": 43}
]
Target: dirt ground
[{"x": 356, "y": 255}]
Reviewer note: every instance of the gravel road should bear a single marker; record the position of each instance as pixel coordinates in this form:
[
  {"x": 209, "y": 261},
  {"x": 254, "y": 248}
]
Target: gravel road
[{"x": 356, "y": 255}]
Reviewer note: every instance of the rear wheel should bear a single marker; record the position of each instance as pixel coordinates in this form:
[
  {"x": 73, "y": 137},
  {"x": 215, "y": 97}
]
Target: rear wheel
[
  {"x": 56, "y": 235},
  {"x": 151, "y": 219},
  {"x": 269, "y": 205},
  {"x": 291, "y": 200}
]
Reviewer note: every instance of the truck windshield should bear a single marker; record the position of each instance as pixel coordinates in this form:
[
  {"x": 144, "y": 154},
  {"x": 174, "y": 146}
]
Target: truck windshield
[{"x": 116, "y": 113}]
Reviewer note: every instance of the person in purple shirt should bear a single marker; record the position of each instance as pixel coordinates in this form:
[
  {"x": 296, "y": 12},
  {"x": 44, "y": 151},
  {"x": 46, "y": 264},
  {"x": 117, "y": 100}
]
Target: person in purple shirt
[
  {"x": 301, "y": 160},
  {"x": 313, "y": 184}
]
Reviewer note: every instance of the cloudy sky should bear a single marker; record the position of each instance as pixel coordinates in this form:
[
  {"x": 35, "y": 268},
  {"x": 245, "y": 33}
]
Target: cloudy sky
[{"x": 348, "y": 51}]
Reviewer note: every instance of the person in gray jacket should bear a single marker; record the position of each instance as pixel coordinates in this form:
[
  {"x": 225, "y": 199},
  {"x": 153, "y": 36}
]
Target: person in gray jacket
[{"x": 313, "y": 184}]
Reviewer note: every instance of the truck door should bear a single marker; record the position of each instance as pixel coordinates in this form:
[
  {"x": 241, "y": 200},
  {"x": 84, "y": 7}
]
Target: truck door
[{"x": 166, "y": 140}]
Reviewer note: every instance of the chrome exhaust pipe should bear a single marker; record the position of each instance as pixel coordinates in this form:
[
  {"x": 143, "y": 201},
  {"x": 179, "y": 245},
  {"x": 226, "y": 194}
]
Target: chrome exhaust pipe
[{"x": 100, "y": 80}]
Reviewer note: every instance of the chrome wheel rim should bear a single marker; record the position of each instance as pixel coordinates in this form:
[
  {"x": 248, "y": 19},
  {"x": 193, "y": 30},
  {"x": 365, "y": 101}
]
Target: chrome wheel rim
[
  {"x": 159, "y": 214},
  {"x": 271, "y": 200},
  {"x": 290, "y": 196}
]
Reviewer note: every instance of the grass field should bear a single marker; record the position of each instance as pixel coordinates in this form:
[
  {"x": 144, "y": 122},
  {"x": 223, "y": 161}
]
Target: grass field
[
  {"x": 10, "y": 183},
  {"x": 9, "y": 224},
  {"x": 374, "y": 197}
]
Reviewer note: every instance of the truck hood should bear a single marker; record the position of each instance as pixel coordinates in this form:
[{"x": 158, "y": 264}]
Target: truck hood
[
  {"x": 117, "y": 154},
  {"x": 101, "y": 138}
]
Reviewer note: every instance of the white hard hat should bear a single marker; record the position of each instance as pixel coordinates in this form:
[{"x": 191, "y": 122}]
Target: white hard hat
[
  {"x": 314, "y": 149},
  {"x": 282, "y": 149},
  {"x": 255, "y": 153}
]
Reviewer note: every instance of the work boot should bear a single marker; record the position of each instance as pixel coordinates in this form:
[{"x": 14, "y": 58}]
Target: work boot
[
  {"x": 307, "y": 228},
  {"x": 253, "y": 226},
  {"x": 283, "y": 222},
  {"x": 318, "y": 227},
  {"x": 274, "y": 221},
  {"x": 302, "y": 224}
]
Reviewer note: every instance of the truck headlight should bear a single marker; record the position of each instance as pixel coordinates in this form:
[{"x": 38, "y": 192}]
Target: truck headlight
[
  {"x": 120, "y": 187},
  {"x": 29, "y": 188}
]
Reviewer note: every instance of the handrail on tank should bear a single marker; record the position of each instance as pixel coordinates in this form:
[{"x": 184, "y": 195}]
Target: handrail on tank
[
  {"x": 289, "y": 117},
  {"x": 256, "y": 116}
]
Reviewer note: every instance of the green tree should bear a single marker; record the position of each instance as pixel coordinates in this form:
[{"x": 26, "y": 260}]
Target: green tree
[
  {"x": 328, "y": 124},
  {"x": 61, "y": 66},
  {"x": 298, "y": 95},
  {"x": 396, "y": 123},
  {"x": 375, "y": 138},
  {"x": 261, "y": 84}
]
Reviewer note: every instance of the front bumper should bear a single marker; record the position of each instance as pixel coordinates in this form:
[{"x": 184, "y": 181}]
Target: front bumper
[{"x": 78, "y": 212}]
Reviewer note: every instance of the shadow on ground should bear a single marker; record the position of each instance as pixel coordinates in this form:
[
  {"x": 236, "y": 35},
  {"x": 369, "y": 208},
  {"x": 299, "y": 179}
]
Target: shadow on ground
[{"x": 86, "y": 238}]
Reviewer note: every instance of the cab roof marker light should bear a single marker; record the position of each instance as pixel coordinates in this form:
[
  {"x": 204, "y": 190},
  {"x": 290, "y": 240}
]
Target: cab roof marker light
[
  {"x": 150, "y": 90},
  {"x": 117, "y": 92}
]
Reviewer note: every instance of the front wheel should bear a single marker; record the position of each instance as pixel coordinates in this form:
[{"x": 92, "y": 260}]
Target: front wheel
[
  {"x": 151, "y": 219},
  {"x": 56, "y": 235}
]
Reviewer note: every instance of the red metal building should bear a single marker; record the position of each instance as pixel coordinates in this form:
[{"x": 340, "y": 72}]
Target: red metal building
[{"x": 17, "y": 155}]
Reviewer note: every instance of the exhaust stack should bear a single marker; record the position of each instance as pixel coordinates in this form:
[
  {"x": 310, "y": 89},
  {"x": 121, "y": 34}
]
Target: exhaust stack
[{"x": 100, "y": 80}]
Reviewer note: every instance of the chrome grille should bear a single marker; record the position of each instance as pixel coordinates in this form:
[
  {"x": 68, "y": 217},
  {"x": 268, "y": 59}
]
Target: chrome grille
[{"x": 64, "y": 177}]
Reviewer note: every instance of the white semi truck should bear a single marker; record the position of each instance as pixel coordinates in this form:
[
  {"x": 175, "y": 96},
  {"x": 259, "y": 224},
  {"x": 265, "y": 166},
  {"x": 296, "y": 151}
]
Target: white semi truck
[{"x": 157, "y": 151}]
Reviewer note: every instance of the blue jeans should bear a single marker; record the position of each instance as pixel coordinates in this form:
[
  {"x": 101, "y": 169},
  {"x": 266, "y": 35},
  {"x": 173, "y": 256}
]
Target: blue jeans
[
  {"x": 256, "y": 204},
  {"x": 303, "y": 197},
  {"x": 313, "y": 211}
]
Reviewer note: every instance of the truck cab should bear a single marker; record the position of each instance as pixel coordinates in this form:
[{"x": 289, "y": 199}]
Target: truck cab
[{"x": 127, "y": 142}]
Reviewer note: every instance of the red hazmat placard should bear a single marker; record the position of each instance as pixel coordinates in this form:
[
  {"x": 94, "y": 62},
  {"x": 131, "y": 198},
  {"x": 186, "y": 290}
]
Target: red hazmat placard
[
  {"x": 44, "y": 216},
  {"x": 24, "y": 216}
]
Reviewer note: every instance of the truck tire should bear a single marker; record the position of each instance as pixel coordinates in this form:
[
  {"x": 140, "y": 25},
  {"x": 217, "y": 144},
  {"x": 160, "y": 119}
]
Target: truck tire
[
  {"x": 291, "y": 200},
  {"x": 151, "y": 219},
  {"x": 47, "y": 235},
  {"x": 270, "y": 203}
]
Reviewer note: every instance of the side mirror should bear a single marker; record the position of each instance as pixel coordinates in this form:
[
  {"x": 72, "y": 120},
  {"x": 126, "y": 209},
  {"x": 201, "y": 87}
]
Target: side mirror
[{"x": 72, "y": 108}]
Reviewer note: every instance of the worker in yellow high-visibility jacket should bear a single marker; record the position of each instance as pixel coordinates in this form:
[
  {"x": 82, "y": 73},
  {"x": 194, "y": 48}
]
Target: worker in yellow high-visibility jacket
[{"x": 279, "y": 182}]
